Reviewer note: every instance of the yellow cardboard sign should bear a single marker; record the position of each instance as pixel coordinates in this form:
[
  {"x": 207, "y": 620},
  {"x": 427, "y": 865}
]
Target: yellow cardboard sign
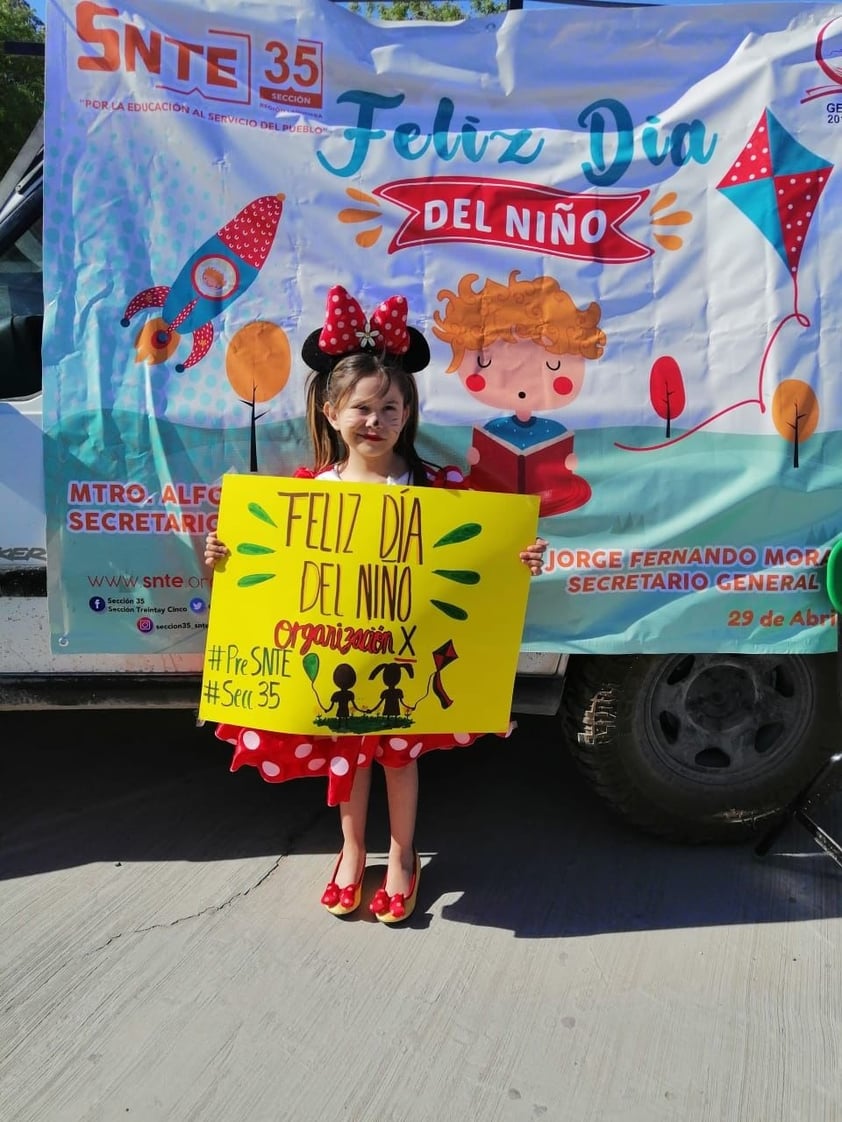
[{"x": 362, "y": 608}]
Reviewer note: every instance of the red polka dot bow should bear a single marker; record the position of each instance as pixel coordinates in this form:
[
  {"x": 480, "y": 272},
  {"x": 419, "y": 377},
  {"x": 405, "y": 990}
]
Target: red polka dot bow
[{"x": 346, "y": 328}]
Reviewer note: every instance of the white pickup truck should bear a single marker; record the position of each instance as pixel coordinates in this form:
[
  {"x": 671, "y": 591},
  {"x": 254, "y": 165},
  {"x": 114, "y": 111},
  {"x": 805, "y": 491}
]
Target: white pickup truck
[{"x": 696, "y": 746}]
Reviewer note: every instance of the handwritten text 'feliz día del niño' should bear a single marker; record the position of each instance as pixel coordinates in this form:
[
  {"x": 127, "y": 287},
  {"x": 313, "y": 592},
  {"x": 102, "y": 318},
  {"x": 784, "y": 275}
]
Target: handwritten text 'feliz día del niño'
[{"x": 328, "y": 522}]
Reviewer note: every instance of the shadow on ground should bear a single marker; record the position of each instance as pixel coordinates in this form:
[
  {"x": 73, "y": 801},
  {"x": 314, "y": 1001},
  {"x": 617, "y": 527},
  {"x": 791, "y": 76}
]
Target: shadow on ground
[{"x": 512, "y": 837}]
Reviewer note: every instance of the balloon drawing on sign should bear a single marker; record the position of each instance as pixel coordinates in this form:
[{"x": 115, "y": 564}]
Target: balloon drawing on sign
[
  {"x": 776, "y": 183},
  {"x": 310, "y": 662}
]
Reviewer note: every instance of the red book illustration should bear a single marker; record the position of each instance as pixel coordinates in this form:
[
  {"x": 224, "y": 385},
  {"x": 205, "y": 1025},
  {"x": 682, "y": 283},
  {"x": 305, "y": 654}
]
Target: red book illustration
[{"x": 538, "y": 470}]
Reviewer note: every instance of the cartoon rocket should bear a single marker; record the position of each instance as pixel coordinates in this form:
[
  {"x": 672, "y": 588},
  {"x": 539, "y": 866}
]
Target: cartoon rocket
[{"x": 216, "y": 275}]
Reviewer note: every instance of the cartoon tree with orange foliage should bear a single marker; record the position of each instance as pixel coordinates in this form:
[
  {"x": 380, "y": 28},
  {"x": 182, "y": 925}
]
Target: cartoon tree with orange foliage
[
  {"x": 257, "y": 364},
  {"x": 795, "y": 413}
]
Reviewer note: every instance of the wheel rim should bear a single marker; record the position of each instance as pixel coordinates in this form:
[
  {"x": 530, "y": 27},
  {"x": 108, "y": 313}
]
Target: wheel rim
[{"x": 728, "y": 720}]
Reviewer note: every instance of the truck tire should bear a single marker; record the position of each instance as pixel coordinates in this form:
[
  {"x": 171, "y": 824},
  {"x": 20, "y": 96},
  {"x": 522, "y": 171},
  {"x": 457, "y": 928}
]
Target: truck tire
[{"x": 699, "y": 747}]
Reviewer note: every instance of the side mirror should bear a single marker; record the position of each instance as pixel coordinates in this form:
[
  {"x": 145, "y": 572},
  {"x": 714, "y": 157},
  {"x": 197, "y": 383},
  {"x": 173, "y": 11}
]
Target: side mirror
[{"x": 20, "y": 356}]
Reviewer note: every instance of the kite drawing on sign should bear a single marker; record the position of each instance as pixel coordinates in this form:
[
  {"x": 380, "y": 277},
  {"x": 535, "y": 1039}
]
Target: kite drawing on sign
[
  {"x": 216, "y": 275},
  {"x": 776, "y": 183}
]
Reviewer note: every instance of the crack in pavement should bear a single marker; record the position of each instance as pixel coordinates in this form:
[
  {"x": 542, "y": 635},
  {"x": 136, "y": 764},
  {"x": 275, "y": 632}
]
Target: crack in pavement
[{"x": 239, "y": 895}]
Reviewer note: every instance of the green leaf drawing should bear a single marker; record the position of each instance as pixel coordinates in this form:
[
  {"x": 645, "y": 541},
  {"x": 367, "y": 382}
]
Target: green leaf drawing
[
  {"x": 257, "y": 510},
  {"x": 449, "y": 609},
  {"x": 251, "y": 579},
  {"x": 252, "y": 549},
  {"x": 461, "y": 533},
  {"x": 460, "y": 576}
]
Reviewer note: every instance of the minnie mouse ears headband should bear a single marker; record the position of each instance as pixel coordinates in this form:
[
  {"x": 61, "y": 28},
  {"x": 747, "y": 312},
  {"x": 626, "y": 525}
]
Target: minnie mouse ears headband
[{"x": 348, "y": 331}]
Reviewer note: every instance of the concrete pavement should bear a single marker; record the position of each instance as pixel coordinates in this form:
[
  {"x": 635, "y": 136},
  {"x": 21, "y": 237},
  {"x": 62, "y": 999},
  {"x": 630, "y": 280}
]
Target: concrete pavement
[{"x": 163, "y": 957}]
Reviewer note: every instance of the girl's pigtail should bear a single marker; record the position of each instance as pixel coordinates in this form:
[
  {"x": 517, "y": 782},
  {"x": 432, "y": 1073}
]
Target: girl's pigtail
[
  {"x": 419, "y": 470},
  {"x": 327, "y": 447}
]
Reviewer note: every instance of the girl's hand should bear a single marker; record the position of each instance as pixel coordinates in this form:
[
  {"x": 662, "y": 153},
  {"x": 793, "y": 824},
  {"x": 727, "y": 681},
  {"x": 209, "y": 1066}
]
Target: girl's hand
[
  {"x": 533, "y": 556},
  {"x": 215, "y": 550}
]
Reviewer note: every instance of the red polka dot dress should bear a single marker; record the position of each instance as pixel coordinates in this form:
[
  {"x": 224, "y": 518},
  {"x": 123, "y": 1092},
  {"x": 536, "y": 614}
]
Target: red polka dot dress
[{"x": 279, "y": 756}]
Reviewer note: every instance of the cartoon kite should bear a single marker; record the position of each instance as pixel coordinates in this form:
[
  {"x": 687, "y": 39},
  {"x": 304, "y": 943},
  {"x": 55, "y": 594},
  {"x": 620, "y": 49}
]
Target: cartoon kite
[
  {"x": 217, "y": 274},
  {"x": 442, "y": 657},
  {"x": 776, "y": 182}
]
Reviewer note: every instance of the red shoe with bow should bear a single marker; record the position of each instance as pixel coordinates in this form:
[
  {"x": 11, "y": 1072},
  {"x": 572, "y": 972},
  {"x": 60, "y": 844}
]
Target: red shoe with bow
[
  {"x": 343, "y": 901},
  {"x": 398, "y": 907}
]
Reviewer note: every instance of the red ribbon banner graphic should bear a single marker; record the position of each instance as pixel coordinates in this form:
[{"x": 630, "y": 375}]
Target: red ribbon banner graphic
[{"x": 517, "y": 216}]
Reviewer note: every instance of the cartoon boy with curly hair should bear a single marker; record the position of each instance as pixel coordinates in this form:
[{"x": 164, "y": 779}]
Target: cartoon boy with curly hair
[{"x": 521, "y": 347}]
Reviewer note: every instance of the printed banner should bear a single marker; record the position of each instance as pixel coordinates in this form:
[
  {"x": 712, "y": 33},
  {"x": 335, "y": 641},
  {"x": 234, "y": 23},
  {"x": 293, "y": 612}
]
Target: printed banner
[
  {"x": 617, "y": 229},
  {"x": 348, "y": 608}
]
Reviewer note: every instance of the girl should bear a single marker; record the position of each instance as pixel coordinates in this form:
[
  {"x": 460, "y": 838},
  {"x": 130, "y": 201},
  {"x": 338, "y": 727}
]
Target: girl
[{"x": 362, "y": 413}]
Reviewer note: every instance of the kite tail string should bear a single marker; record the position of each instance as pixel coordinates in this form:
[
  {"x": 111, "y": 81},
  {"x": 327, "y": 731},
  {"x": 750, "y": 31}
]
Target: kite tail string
[
  {"x": 434, "y": 682},
  {"x": 426, "y": 693},
  {"x": 800, "y": 319},
  {"x": 696, "y": 428}
]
